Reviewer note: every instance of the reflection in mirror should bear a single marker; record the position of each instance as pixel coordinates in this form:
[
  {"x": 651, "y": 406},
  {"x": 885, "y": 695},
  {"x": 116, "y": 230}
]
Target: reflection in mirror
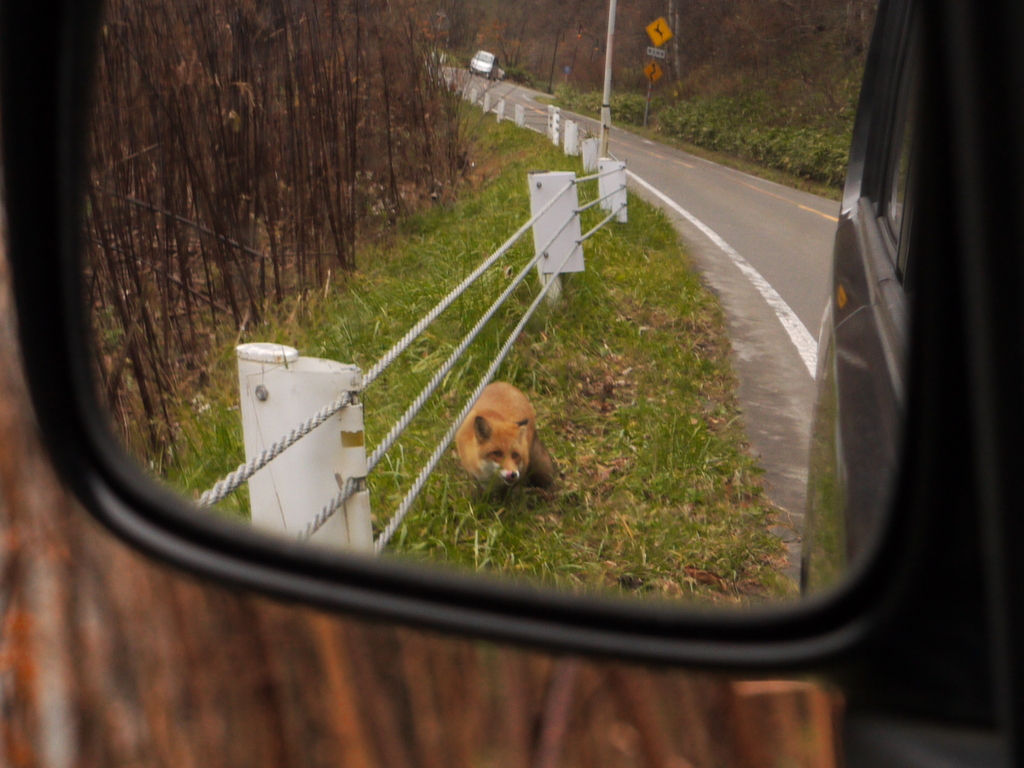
[
  {"x": 855, "y": 440},
  {"x": 314, "y": 237}
]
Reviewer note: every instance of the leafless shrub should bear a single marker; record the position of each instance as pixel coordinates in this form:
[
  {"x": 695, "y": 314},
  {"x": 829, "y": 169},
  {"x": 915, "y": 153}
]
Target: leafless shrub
[{"x": 239, "y": 149}]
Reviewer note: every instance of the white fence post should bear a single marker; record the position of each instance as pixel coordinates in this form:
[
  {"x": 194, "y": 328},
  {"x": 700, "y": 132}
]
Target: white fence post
[
  {"x": 613, "y": 184},
  {"x": 554, "y": 120},
  {"x": 571, "y": 145},
  {"x": 544, "y": 186},
  {"x": 590, "y": 148},
  {"x": 487, "y": 102},
  {"x": 473, "y": 93},
  {"x": 280, "y": 390},
  {"x": 501, "y": 110},
  {"x": 520, "y": 115}
]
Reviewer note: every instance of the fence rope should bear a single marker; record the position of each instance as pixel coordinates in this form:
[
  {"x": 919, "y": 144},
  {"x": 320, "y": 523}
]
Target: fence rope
[
  {"x": 392, "y": 354},
  {"x": 592, "y": 203},
  {"x": 231, "y": 482},
  {"x": 327, "y": 512},
  {"x": 604, "y": 221},
  {"x": 435, "y": 458},
  {"x": 600, "y": 175},
  {"x": 417, "y": 405}
]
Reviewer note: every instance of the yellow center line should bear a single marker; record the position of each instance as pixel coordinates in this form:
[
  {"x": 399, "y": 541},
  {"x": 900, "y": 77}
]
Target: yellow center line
[
  {"x": 671, "y": 160},
  {"x": 823, "y": 215},
  {"x": 786, "y": 199}
]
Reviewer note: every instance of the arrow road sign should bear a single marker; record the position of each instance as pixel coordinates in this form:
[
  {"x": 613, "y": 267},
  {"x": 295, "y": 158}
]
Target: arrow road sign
[
  {"x": 657, "y": 53},
  {"x": 659, "y": 31}
]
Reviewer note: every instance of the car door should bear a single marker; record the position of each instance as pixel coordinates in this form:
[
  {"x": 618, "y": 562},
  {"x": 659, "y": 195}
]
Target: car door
[{"x": 864, "y": 339}]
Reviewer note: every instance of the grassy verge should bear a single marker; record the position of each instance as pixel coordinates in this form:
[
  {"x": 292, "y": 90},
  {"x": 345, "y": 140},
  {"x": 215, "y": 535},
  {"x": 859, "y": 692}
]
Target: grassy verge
[{"x": 629, "y": 374}]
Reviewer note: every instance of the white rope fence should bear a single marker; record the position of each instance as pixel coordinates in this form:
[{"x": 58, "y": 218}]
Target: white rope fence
[
  {"x": 354, "y": 485},
  {"x": 232, "y": 482},
  {"x": 442, "y": 305},
  {"x": 417, "y": 405}
]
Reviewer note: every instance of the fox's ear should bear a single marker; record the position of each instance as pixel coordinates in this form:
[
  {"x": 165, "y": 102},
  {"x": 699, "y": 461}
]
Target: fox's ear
[{"x": 482, "y": 428}]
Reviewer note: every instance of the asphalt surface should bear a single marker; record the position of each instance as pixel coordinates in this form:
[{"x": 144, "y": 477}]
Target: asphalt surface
[{"x": 765, "y": 250}]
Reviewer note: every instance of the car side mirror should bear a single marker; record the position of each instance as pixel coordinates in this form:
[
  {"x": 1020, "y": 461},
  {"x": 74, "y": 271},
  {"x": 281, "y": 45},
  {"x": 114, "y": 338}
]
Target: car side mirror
[{"x": 44, "y": 135}]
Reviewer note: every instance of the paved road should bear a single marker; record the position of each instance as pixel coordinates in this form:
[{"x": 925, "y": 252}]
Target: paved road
[{"x": 733, "y": 222}]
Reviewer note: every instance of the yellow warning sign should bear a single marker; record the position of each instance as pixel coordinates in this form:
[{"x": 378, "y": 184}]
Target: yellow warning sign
[
  {"x": 659, "y": 31},
  {"x": 653, "y": 71}
]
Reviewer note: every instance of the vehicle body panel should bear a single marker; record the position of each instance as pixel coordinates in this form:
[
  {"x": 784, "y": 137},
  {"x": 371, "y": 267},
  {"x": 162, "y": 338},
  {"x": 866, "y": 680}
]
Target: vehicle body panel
[{"x": 864, "y": 342}]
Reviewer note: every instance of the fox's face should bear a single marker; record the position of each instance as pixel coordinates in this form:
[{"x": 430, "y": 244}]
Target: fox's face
[
  {"x": 498, "y": 441},
  {"x": 503, "y": 448}
]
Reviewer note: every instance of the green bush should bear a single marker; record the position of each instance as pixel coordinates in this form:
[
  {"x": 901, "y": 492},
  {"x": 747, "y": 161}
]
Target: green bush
[
  {"x": 740, "y": 127},
  {"x": 812, "y": 146},
  {"x": 588, "y": 103},
  {"x": 627, "y": 108},
  {"x": 519, "y": 75}
]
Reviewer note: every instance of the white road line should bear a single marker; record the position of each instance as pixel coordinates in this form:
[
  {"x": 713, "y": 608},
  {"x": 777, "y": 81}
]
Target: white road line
[{"x": 798, "y": 333}]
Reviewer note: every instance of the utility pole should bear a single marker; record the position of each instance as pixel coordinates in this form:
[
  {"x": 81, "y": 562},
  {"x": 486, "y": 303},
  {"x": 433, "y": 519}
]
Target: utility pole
[
  {"x": 606, "y": 103},
  {"x": 674, "y": 20},
  {"x": 672, "y": 14}
]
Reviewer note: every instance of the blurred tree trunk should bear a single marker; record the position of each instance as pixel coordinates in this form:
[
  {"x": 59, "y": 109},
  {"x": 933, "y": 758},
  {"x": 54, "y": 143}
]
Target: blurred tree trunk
[{"x": 110, "y": 659}]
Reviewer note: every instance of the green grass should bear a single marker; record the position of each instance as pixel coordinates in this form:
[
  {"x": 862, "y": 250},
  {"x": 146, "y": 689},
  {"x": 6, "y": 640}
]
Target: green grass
[{"x": 629, "y": 374}]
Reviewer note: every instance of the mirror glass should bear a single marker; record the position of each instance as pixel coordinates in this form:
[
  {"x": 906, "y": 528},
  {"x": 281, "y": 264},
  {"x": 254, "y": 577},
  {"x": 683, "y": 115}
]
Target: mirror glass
[{"x": 315, "y": 231}]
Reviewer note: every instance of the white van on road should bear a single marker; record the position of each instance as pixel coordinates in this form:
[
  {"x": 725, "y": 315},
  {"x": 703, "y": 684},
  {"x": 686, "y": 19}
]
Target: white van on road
[{"x": 486, "y": 64}]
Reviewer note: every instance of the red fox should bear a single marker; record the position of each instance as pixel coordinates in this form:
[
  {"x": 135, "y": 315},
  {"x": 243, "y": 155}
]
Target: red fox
[{"x": 499, "y": 439}]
